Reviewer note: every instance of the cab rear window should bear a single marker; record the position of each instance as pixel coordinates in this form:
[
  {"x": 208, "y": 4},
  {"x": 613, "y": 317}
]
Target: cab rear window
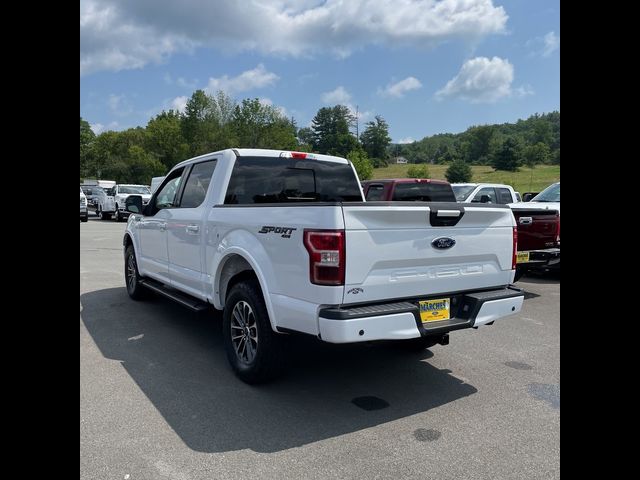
[
  {"x": 424, "y": 192},
  {"x": 289, "y": 180}
]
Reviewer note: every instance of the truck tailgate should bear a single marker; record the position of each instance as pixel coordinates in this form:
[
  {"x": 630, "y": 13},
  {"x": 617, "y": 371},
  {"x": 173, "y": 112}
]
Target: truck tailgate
[
  {"x": 537, "y": 228},
  {"x": 389, "y": 251}
]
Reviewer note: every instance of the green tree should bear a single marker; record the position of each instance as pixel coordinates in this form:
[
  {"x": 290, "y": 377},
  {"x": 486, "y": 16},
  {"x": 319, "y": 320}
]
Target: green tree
[
  {"x": 305, "y": 136},
  {"x": 534, "y": 154},
  {"x": 198, "y": 123},
  {"x": 459, "y": 172},
  {"x": 418, "y": 171},
  {"x": 361, "y": 163},
  {"x": 331, "y": 134},
  {"x": 164, "y": 139},
  {"x": 375, "y": 138},
  {"x": 87, "y": 137},
  {"x": 508, "y": 156},
  {"x": 257, "y": 125},
  {"x": 142, "y": 166},
  {"x": 479, "y": 149}
]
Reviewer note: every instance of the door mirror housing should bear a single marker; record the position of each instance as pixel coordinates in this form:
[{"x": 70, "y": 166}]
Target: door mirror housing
[{"x": 133, "y": 204}]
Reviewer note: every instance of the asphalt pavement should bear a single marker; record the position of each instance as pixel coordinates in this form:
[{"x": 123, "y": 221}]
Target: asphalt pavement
[{"x": 159, "y": 401}]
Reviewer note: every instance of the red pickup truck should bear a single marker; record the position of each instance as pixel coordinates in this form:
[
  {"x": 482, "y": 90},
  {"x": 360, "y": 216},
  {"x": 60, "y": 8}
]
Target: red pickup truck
[
  {"x": 538, "y": 231},
  {"x": 408, "y": 189}
]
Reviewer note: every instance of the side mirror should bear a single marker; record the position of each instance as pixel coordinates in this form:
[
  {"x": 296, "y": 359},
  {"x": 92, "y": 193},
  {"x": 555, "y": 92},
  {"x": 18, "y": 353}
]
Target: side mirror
[
  {"x": 133, "y": 204},
  {"x": 527, "y": 197},
  {"x": 485, "y": 199}
]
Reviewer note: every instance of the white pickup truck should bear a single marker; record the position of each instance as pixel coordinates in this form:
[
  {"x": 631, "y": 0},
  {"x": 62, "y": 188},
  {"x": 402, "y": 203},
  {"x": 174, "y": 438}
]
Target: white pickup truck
[
  {"x": 113, "y": 200},
  {"x": 485, "y": 193},
  {"x": 284, "y": 243}
]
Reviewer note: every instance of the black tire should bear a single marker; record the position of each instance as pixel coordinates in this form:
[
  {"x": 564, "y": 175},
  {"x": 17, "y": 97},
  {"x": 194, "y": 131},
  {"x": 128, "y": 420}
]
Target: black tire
[
  {"x": 132, "y": 276},
  {"x": 260, "y": 360},
  {"x": 85, "y": 218},
  {"x": 118, "y": 216},
  {"x": 418, "y": 344},
  {"x": 105, "y": 216}
]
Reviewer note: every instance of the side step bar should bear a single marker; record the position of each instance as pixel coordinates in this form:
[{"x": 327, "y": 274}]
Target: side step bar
[{"x": 182, "y": 298}]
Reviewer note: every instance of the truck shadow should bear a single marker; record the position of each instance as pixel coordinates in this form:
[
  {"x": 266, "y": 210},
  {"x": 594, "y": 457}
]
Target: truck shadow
[{"x": 177, "y": 359}]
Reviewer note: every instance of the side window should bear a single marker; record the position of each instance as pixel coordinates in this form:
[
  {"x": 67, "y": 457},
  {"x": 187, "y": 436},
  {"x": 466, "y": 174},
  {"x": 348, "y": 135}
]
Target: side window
[
  {"x": 167, "y": 193},
  {"x": 486, "y": 191},
  {"x": 375, "y": 192},
  {"x": 504, "y": 195},
  {"x": 197, "y": 184}
]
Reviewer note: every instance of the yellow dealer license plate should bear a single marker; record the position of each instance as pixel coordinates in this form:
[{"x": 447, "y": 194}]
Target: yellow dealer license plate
[
  {"x": 434, "y": 310},
  {"x": 522, "y": 257}
]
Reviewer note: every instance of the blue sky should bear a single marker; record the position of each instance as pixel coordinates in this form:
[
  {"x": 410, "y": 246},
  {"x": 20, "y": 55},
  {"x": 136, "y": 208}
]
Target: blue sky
[{"x": 426, "y": 66}]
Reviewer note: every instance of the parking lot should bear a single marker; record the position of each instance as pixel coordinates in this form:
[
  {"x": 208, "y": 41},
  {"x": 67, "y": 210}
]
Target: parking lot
[{"x": 158, "y": 399}]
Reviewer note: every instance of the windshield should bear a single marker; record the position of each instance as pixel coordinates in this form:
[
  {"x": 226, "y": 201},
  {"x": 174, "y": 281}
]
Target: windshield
[
  {"x": 462, "y": 191},
  {"x": 138, "y": 190},
  {"x": 549, "y": 194}
]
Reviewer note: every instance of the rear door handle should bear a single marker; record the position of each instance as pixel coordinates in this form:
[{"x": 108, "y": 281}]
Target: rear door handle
[
  {"x": 163, "y": 226},
  {"x": 193, "y": 229}
]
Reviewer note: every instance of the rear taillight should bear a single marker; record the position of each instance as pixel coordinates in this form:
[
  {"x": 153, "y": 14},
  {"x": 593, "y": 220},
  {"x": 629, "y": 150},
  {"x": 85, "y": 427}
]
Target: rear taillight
[
  {"x": 326, "y": 256},
  {"x": 514, "y": 258},
  {"x": 558, "y": 236}
]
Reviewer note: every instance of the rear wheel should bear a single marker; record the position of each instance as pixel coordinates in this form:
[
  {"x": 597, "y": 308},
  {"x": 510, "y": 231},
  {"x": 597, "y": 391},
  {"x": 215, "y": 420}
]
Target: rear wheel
[
  {"x": 85, "y": 218},
  {"x": 118, "y": 216},
  {"x": 253, "y": 349}
]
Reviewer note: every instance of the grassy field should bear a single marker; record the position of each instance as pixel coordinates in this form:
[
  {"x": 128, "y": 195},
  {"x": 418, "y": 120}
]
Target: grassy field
[{"x": 526, "y": 180}]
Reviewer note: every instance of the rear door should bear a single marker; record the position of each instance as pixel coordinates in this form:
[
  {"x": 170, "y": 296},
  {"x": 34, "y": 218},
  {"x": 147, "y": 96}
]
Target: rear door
[{"x": 391, "y": 253}]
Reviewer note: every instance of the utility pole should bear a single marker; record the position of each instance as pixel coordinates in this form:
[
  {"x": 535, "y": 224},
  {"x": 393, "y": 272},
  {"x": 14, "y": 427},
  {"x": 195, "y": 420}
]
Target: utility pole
[{"x": 357, "y": 124}]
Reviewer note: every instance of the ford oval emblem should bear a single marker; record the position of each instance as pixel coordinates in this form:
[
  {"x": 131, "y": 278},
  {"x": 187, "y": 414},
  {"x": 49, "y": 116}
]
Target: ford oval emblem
[{"x": 443, "y": 242}]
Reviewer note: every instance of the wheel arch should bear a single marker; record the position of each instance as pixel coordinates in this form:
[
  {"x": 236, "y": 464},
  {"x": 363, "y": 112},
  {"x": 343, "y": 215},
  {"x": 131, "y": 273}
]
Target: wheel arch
[{"x": 235, "y": 267}]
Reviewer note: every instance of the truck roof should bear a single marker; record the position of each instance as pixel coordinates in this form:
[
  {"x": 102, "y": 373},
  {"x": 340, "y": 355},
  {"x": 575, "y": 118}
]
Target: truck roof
[
  {"x": 263, "y": 152},
  {"x": 483, "y": 184},
  {"x": 406, "y": 180}
]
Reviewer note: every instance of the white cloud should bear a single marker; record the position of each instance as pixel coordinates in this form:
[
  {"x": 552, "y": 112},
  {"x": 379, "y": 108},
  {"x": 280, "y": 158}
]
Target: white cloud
[
  {"x": 339, "y": 96},
  {"x": 119, "y": 105},
  {"x": 259, "y": 77},
  {"x": 267, "y": 101},
  {"x": 120, "y": 34},
  {"x": 523, "y": 91},
  {"x": 181, "y": 82},
  {"x": 98, "y": 128},
  {"x": 551, "y": 44},
  {"x": 179, "y": 103},
  {"x": 480, "y": 80},
  {"x": 398, "y": 89},
  {"x": 406, "y": 140},
  {"x": 544, "y": 46}
]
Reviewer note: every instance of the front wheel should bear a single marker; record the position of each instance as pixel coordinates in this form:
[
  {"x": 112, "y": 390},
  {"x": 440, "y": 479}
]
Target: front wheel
[
  {"x": 132, "y": 276},
  {"x": 253, "y": 349}
]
